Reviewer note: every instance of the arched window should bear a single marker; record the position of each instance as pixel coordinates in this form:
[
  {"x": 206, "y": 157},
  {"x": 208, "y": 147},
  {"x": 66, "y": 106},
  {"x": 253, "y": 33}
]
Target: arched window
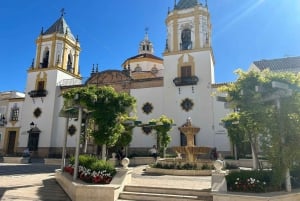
[
  {"x": 45, "y": 62},
  {"x": 186, "y": 42},
  {"x": 69, "y": 63},
  {"x": 137, "y": 69}
]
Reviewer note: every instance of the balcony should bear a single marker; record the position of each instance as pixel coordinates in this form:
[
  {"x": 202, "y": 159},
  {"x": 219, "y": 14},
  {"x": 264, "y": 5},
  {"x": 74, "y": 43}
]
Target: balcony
[
  {"x": 38, "y": 93},
  {"x": 184, "y": 81}
]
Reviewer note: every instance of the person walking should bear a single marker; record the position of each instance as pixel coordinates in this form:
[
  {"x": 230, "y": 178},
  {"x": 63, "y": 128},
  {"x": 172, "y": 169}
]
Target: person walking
[{"x": 153, "y": 152}]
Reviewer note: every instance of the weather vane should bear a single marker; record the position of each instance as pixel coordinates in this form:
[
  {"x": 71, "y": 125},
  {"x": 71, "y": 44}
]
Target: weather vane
[{"x": 62, "y": 12}]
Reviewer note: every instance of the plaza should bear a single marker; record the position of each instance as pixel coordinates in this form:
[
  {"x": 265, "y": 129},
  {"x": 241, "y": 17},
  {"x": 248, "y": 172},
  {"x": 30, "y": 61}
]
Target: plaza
[{"x": 36, "y": 181}]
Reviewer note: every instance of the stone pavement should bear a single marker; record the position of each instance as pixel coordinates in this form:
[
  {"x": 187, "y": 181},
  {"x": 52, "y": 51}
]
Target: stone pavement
[
  {"x": 36, "y": 181},
  {"x": 141, "y": 178}
]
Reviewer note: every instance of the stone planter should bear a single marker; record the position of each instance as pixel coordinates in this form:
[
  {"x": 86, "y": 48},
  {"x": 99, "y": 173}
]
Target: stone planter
[
  {"x": 79, "y": 190},
  {"x": 179, "y": 172}
]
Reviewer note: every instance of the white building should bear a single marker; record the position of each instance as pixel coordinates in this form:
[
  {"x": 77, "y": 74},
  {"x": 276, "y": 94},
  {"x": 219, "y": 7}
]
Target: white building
[
  {"x": 11, "y": 107},
  {"x": 179, "y": 85}
]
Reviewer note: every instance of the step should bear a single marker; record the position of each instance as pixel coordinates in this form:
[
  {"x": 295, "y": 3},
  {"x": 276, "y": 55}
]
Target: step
[
  {"x": 163, "y": 194},
  {"x": 166, "y": 190}
]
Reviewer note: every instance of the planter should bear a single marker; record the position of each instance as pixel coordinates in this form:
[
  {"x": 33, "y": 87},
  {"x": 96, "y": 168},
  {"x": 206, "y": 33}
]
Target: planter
[
  {"x": 274, "y": 196},
  {"x": 179, "y": 172},
  {"x": 79, "y": 190}
]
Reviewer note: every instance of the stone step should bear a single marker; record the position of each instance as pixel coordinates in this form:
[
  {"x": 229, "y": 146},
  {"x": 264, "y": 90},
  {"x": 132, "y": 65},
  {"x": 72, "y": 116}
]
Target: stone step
[{"x": 163, "y": 194}]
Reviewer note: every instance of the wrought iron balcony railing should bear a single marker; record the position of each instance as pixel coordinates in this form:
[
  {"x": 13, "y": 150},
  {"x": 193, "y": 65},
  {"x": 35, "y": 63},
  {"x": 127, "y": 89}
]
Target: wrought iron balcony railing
[
  {"x": 37, "y": 93},
  {"x": 183, "y": 81}
]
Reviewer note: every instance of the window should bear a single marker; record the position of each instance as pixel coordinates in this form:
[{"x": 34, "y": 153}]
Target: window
[
  {"x": 147, "y": 108},
  {"x": 45, "y": 58},
  {"x": 186, "y": 43},
  {"x": 137, "y": 69},
  {"x": 41, "y": 85},
  {"x": 69, "y": 63},
  {"x": 187, "y": 104},
  {"x": 186, "y": 71},
  {"x": 14, "y": 113},
  {"x": 147, "y": 129}
]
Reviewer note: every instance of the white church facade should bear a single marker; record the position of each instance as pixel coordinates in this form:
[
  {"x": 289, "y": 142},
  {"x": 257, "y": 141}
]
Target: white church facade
[{"x": 178, "y": 85}]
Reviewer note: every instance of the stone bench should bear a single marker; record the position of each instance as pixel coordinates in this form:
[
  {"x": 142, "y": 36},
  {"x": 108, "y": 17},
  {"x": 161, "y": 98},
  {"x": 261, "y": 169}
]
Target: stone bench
[{"x": 22, "y": 160}]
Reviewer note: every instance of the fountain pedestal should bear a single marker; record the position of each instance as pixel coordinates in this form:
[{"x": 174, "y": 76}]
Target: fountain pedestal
[{"x": 190, "y": 150}]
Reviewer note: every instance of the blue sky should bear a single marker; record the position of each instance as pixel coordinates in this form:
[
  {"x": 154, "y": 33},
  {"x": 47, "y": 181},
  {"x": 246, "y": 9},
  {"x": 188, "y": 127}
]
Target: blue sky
[{"x": 110, "y": 31}]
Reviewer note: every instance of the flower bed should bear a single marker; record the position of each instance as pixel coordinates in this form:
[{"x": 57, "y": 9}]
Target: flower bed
[
  {"x": 92, "y": 170},
  {"x": 250, "y": 181}
]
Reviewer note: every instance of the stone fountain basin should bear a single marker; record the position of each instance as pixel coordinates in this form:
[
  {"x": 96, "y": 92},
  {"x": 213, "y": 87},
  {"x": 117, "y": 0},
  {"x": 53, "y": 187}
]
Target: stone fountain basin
[{"x": 192, "y": 150}]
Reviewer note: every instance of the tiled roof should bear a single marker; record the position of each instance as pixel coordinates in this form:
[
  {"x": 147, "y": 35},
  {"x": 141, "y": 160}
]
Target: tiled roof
[
  {"x": 60, "y": 26},
  {"x": 291, "y": 64},
  {"x": 145, "y": 55},
  {"x": 184, "y": 4}
]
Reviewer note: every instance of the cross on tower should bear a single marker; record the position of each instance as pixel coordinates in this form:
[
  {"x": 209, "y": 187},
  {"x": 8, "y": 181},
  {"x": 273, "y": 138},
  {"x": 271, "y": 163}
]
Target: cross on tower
[{"x": 62, "y": 12}]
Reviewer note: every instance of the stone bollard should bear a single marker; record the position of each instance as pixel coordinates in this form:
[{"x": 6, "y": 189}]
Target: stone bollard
[{"x": 218, "y": 180}]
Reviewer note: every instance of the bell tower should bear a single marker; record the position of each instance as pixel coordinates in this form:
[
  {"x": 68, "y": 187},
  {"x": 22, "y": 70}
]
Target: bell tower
[
  {"x": 56, "y": 60},
  {"x": 58, "y": 49},
  {"x": 189, "y": 69}
]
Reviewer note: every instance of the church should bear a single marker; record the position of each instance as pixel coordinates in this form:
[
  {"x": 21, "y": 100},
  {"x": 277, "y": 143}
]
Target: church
[{"x": 179, "y": 85}]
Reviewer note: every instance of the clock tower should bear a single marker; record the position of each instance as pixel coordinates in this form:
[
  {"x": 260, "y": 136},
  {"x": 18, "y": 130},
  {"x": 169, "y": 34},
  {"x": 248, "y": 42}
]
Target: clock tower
[
  {"x": 189, "y": 70},
  {"x": 56, "y": 60}
]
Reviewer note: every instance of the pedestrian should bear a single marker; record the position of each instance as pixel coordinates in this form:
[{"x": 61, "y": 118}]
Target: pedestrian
[
  {"x": 121, "y": 153},
  {"x": 153, "y": 152}
]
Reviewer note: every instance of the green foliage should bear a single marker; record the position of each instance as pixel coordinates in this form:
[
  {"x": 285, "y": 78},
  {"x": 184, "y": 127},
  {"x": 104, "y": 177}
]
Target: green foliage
[
  {"x": 102, "y": 165},
  {"x": 249, "y": 181},
  {"x": 108, "y": 112},
  {"x": 181, "y": 166},
  {"x": 162, "y": 126},
  {"x": 92, "y": 170},
  {"x": 260, "y": 119}
]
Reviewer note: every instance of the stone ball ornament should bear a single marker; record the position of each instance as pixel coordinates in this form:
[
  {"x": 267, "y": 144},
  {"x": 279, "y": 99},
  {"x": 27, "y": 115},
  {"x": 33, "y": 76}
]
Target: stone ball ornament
[
  {"x": 125, "y": 162},
  {"x": 219, "y": 165}
]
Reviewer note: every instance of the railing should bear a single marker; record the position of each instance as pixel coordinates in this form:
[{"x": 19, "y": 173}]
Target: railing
[
  {"x": 183, "y": 81},
  {"x": 38, "y": 93}
]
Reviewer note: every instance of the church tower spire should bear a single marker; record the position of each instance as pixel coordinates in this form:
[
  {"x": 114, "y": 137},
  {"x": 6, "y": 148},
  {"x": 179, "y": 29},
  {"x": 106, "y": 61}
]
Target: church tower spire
[
  {"x": 146, "y": 45},
  {"x": 57, "y": 48}
]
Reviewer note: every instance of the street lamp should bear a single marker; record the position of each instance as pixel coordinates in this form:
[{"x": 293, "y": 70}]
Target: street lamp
[{"x": 32, "y": 125}]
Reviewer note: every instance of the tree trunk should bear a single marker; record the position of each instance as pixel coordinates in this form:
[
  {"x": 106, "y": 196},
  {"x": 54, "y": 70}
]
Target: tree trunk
[
  {"x": 235, "y": 152},
  {"x": 255, "y": 160},
  {"x": 103, "y": 152},
  {"x": 288, "y": 186}
]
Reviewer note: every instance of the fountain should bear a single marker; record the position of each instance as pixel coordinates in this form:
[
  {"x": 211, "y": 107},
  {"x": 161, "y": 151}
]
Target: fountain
[
  {"x": 190, "y": 150},
  {"x": 190, "y": 164}
]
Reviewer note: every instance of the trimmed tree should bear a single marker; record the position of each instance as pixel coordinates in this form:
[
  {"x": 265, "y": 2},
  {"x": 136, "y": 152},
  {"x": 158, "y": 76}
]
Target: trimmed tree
[{"x": 109, "y": 110}]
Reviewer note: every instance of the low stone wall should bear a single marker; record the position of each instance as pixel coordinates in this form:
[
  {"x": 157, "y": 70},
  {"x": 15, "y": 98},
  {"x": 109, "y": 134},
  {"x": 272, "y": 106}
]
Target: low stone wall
[
  {"x": 276, "y": 196},
  {"x": 21, "y": 160},
  {"x": 78, "y": 190},
  {"x": 179, "y": 172},
  {"x": 248, "y": 163},
  {"x": 53, "y": 161},
  {"x": 134, "y": 161}
]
